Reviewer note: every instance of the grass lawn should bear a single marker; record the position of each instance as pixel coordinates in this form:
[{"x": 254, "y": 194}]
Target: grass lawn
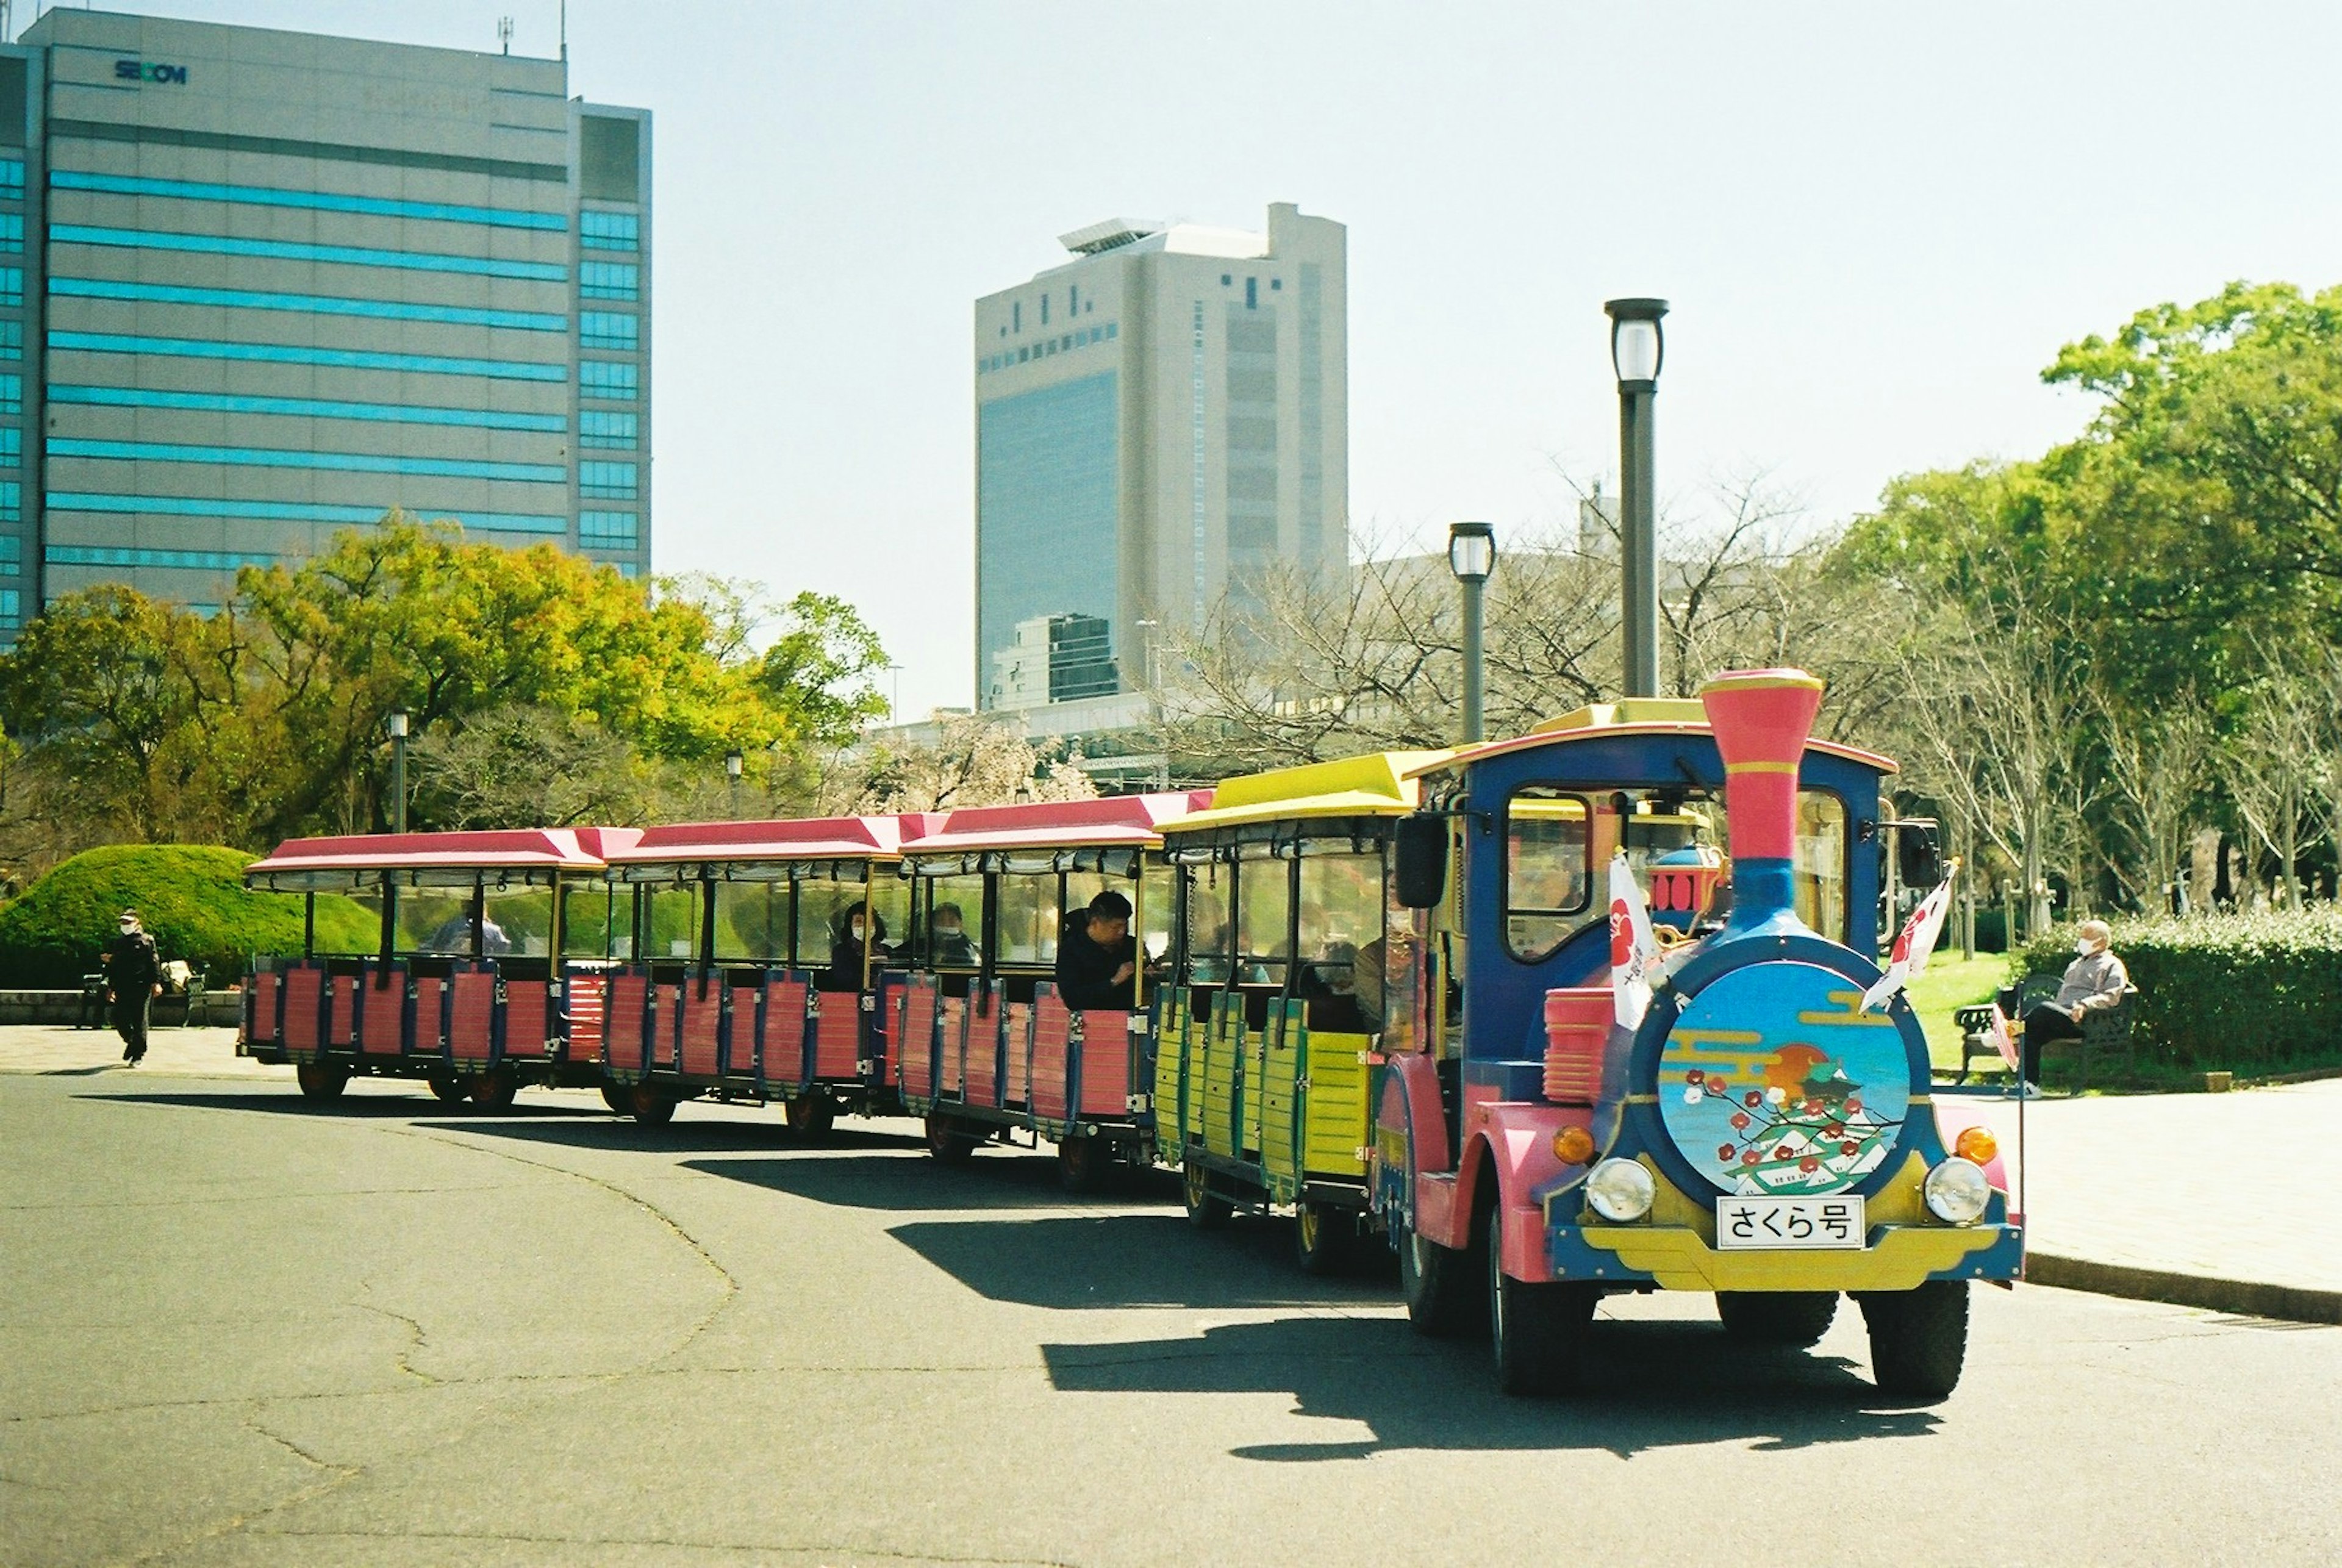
[{"x": 1949, "y": 984}]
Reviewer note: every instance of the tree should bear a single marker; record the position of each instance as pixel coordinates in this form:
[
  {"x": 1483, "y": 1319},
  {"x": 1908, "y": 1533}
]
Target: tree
[
  {"x": 818, "y": 670},
  {"x": 976, "y": 759}
]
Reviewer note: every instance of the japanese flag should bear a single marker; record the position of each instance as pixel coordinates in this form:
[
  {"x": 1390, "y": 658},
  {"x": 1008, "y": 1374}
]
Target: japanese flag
[
  {"x": 1912, "y": 945},
  {"x": 1633, "y": 948},
  {"x": 2002, "y": 1040}
]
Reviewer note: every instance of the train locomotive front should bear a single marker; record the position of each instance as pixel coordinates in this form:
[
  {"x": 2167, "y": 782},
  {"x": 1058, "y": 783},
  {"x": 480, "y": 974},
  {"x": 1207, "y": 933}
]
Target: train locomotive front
[{"x": 1756, "y": 1132}]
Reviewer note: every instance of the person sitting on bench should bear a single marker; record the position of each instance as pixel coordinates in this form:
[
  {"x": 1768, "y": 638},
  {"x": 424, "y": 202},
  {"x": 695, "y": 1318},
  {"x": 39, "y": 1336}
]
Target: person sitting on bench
[{"x": 2094, "y": 982}]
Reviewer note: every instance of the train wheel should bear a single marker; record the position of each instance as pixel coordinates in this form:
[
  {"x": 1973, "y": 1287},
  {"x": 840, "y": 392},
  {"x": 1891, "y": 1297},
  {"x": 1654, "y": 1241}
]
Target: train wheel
[
  {"x": 620, "y": 1099},
  {"x": 447, "y": 1088},
  {"x": 1206, "y": 1210},
  {"x": 320, "y": 1080},
  {"x": 650, "y": 1107},
  {"x": 948, "y": 1141},
  {"x": 1538, "y": 1330},
  {"x": 1795, "y": 1318},
  {"x": 1919, "y": 1338},
  {"x": 1324, "y": 1237},
  {"x": 494, "y": 1089},
  {"x": 1083, "y": 1164},
  {"x": 1439, "y": 1285},
  {"x": 811, "y": 1115}
]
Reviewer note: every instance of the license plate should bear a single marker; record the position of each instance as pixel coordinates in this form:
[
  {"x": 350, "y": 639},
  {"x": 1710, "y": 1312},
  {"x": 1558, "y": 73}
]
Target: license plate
[{"x": 1790, "y": 1223}]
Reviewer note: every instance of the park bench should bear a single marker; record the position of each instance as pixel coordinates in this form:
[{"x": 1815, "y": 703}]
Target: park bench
[
  {"x": 183, "y": 989},
  {"x": 2104, "y": 1029}
]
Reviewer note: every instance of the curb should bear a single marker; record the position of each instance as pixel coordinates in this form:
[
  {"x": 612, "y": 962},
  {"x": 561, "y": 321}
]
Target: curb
[{"x": 2246, "y": 1298}]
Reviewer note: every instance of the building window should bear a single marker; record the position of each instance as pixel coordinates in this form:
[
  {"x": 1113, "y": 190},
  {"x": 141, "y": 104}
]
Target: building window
[
  {"x": 12, "y": 447},
  {"x": 607, "y": 380},
  {"x": 12, "y": 285},
  {"x": 320, "y": 304},
  {"x": 12, "y": 608},
  {"x": 607, "y": 481},
  {"x": 607, "y": 530},
  {"x": 609, "y": 159},
  {"x": 598, "y": 427},
  {"x": 1276, "y": 283},
  {"x": 1112, "y": 328},
  {"x": 608, "y": 329},
  {"x": 11, "y": 340},
  {"x": 12, "y": 501},
  {"x": 609, "y": 279},
  {"x": 1073, "y": 299},
  {"x": 295, "y": 250},
  {"x": 310, "y": 407},
  {"x": 1016, "y": 315},
  {"x": 1252, "y": 294},
  {"x": 12, "y": 231},
  {"x": 12, "y": 177},
  {"x": 609, "y": 230},
  {"x": 11, "y": 555},
  {"x": 1044, "y": 310},
  {"x": 12, "y": 394},
  {"x": 1022, "y": 355},
  {"x": 1225, "y": 280}
]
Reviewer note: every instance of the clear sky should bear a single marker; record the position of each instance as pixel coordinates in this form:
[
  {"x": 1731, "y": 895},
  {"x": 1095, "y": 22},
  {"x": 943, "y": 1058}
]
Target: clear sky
[{"x": 1876, "y": 224}]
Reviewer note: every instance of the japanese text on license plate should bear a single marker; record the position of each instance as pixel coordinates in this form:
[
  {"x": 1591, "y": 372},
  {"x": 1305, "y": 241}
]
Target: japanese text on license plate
[{"x": 1789, "y": 1223}]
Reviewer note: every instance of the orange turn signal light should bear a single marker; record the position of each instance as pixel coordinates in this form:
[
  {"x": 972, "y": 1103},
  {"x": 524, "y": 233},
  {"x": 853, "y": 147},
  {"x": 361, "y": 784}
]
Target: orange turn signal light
[
  {"x": 1976, "y": 1146},
  {"x": 1573, "y": 1145}
]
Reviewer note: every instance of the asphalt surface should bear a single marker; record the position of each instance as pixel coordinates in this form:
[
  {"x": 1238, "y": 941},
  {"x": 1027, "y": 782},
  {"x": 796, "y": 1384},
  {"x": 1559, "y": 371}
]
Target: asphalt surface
[{"x": 236, "y": 1328}]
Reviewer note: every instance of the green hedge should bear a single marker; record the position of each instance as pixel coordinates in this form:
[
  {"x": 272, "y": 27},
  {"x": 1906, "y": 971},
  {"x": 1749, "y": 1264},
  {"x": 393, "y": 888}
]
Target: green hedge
[
  {"x": 192, "y": 898},
  {"x": 2256, "y": 995}
]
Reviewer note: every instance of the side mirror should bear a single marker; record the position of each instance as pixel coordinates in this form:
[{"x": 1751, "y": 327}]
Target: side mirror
[
  {"x": 1918, "y": 860},
  {"x": 1421, "y": 861}
]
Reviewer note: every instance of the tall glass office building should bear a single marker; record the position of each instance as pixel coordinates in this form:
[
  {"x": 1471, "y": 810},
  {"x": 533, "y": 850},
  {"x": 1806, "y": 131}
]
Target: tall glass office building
[
  {"x": 1160, "y": 424},
  {"x": 263, "y": 285}
]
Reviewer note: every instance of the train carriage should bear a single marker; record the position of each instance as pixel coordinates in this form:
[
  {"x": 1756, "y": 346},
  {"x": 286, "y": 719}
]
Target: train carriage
[
  {"x": 483, "y": 963},
  {"x": 1755, "y": 1131},
  {"x": 739, "y": 990},
  {"x": 1279, "y": 1004},
  {"x": 989, "y": 1047}
]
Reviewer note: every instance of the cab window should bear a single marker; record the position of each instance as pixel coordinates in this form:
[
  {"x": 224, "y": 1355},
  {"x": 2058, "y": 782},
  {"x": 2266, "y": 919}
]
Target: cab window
[{"x": 1548, "y": 875}]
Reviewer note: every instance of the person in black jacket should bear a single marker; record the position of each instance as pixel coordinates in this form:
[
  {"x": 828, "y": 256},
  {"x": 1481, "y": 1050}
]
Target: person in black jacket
[
  {"x": 858, "y": 930},
  {"x": 1097, "y": 958},
  {"x": 134, "y": 978}
]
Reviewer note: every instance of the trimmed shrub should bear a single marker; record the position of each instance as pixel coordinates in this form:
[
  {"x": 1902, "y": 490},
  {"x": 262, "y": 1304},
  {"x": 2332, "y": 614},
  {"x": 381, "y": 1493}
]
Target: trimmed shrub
[
  {"x": 193, "y": 900},
  {"x": 2255, "y": 994}
]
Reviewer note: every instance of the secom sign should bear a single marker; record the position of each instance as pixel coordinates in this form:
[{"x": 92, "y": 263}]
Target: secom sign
[{"x": 143, "y": 71}]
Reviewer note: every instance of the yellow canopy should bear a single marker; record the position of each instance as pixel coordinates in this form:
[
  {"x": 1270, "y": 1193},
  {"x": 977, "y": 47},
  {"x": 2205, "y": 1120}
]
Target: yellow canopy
[{"x": 1376, "y": 785}]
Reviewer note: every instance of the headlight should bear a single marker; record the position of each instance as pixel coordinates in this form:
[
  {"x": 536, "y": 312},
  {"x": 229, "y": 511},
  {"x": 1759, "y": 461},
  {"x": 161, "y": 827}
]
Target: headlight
[
  {"x": 1956, "y": 1192},
  {"x": 1620, "y": 1191}
]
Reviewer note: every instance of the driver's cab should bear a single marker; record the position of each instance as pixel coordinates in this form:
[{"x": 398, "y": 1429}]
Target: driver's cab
[{"x": 1528, "y": 829}]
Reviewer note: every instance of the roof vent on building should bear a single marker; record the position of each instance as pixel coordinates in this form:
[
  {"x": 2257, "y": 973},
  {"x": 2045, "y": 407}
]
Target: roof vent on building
[{"x": 1105, "y": 236}]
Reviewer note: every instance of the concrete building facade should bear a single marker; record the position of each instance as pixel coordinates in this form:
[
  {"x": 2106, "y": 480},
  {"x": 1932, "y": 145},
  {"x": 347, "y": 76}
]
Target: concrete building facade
[
  {"x": 268, "y": 285},
  {"x": 1159, "y": 422}
]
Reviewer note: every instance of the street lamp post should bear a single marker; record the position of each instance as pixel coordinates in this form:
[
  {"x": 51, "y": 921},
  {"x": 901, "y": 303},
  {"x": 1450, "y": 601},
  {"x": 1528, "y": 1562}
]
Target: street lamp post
[
  {"x": 732, "y": 765},
  {"x": 1472, "y": 557},
  {"x": 398, "y": 722},
  {"x": 1637, "y": 349}
]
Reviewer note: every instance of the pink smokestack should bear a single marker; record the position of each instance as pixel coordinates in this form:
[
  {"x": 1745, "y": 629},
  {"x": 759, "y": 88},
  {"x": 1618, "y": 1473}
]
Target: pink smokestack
[{"x": 1761, "y": 719}]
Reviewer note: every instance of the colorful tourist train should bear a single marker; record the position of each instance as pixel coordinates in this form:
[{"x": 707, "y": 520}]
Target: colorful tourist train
[{"x": 1398, "y": 996}]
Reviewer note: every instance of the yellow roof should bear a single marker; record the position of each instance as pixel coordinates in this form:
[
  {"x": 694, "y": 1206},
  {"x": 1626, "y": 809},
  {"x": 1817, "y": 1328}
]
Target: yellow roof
[{"x": 1380, "y": 783}]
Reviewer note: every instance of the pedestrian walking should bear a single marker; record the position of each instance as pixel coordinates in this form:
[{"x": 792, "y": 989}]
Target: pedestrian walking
[{"x": 134, "y": 978}]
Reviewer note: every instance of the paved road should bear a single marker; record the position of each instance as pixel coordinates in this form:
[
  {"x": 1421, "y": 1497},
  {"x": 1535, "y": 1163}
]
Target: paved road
[{"x": 235, "y": 1329}]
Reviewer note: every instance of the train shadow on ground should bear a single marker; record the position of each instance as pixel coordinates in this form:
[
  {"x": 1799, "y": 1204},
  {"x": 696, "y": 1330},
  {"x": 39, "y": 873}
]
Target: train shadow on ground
[
  {"x": 353, "y": 1107},
  {"x": 1003, "y": 1180},
  {"x": 1648, "y": 1385},
  {"x": 602, "y": 1130},
  {"x": 1119, "y": 1261}
]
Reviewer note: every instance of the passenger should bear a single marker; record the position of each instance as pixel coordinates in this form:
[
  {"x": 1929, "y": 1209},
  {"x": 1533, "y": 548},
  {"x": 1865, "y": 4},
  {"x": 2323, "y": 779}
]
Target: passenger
[
  {"x": 948, "y": 943},
  {"x": 858, "y": 931},
  {"x": 453, "y": 936},
  {"x": 2094, "y": 982},
  {"x": 1097, "y": 958}
]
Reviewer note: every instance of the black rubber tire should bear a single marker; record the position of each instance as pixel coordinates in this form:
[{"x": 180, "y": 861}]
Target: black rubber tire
[
  {"x": 320, "y": 1080},
  {"x": 1795, "y": 1318},
  {"x": 650, "y": 1107},
  {"x": 1536, "y": 1332},
  {"x": 619, "y": 1098},
  {"x": 1084, "y": 1164},
  {"x": 1325, "y": 1237},
  {"x": 811, "y": 1115},
  {"x": 1919, "y": 1338},
  {"x": 494, "y": 1090},
  {"x": 448, "y": 1089},
  {"x": 1206, "y": 1210},
  {"x": 1444, "y": 1293},
  {"x": 948, "y": 1141}
]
